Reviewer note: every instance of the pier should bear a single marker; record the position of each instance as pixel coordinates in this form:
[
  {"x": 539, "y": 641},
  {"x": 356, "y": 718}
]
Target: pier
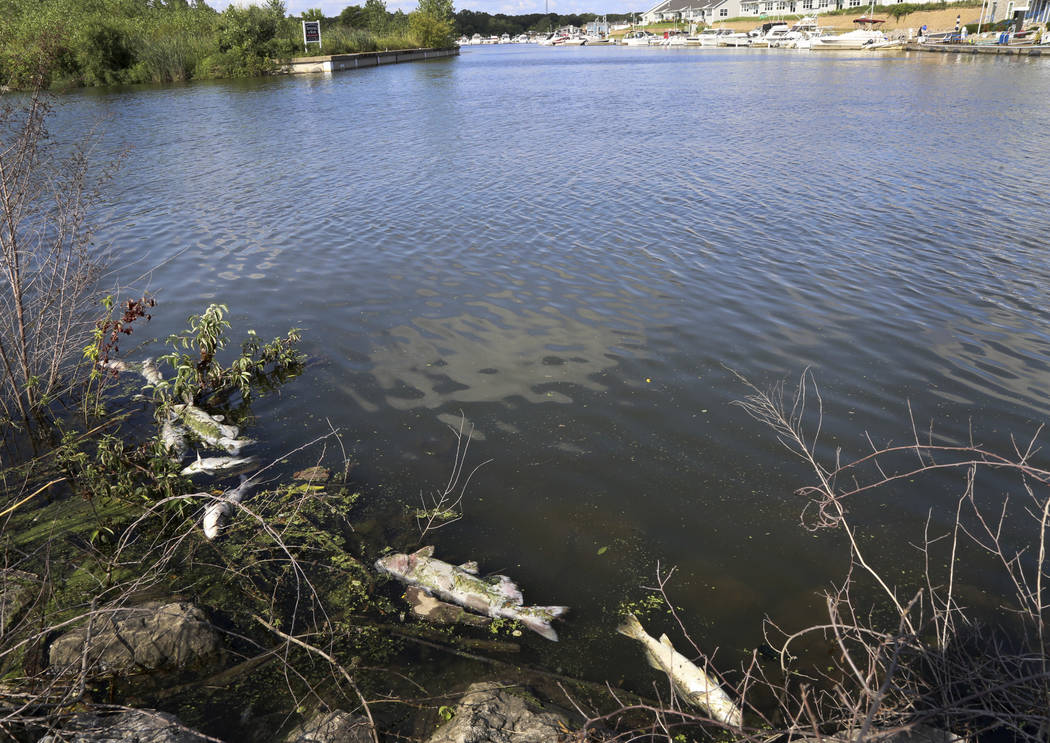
[
  {"x": 336, "y": 62},
  {"x": 1025, "y": 51}
]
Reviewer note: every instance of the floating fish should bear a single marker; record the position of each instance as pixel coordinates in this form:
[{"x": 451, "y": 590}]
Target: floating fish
[
  {"x": 174, "y": 439},
  {"x": 209, "y": 428},
  {"x": 151, "y": 373},
  {"x": 494, "y": 597},
  {"x": 695, "y": 686},
  {"x": 212, "y": 465},
  {"x": 216, "y": 513}
]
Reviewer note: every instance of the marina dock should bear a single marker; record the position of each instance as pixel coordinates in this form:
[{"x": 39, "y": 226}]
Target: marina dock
[
  {"x": 336, "y": 62},
  {"x": 1025, "y": 51}
]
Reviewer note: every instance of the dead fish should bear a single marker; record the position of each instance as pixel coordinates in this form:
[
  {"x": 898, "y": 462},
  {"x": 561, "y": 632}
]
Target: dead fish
[
  {"x": 174, "y": 439},
  {"x": 234, "y": 446},
  {"x": 212, "y": 465},
  {"x": 151, "y": 373},
  {"x": 217, "y": 512},
  {"x": 205, "y": 426},
  {"x": 496, "y": 597},
  {"x": 695, "y": 686}
]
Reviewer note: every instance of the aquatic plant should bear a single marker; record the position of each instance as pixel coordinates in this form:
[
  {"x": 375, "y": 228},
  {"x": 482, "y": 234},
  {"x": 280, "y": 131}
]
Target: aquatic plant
[{"x": 198, "y": 372}]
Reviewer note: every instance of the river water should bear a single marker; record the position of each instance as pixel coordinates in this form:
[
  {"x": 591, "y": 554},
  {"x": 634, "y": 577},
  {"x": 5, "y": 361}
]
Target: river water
[{"x": 571, "y": 248}]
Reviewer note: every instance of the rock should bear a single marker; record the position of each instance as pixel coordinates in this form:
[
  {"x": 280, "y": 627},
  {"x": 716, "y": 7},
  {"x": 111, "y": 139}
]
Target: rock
[
  {"x": 426, "y": 606},
  {"x": 489, "y": 714},
  {"x": 148, "y": 637},
  {"x": 17, "y": 589},
  {"x": 334, "y": 727},
  {"x": 914, "y": 734},
  {"x": 313, "y": 474},
  {"x": 132, "y": 726}
]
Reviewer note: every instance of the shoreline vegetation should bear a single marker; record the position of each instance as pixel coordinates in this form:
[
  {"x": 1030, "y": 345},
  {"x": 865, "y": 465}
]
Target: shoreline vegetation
[
  {"x": 113, "y": 42},
  {"x": 79, "y": 43}
]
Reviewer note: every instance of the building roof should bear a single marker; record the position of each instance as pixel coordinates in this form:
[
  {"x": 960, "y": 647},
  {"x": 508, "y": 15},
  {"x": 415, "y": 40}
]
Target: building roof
[{"x": 679, "y": 6}]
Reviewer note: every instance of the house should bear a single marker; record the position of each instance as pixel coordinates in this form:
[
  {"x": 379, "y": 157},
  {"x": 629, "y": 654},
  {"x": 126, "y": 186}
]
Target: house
[
  {"x": 692, "y": 11},
  {"x": 811, "y": 7}
]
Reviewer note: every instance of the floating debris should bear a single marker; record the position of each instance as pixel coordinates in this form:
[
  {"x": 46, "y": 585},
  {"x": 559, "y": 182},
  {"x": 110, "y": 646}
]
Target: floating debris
[{"x": 313, "y": 474}]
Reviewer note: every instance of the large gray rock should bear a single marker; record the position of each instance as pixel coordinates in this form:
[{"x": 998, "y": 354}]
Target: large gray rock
[
  {"x": 914, "y": 734},
  {"x": 148, "y": 637},
  {"x": 489, "y": 714},
  {"x": 132, "y": 726},
  {"x": 334, "y": 727}
]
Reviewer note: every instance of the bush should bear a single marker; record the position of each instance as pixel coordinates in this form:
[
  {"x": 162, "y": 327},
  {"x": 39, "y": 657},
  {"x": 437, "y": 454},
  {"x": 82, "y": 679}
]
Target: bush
[{"x": 429, "y": 30}]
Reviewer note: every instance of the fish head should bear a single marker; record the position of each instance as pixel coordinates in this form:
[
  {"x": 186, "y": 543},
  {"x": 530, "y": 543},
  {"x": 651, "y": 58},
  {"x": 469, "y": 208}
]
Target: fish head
[{"x": 397, "y": 565}]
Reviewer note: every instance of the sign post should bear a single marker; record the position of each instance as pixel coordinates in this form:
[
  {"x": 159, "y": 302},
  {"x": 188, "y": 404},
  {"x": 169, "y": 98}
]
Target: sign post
[{"x": 311, "y": 34}]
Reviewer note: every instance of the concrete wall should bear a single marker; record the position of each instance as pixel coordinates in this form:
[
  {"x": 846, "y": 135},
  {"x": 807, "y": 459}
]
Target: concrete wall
[{"x": 336, "y": 62}]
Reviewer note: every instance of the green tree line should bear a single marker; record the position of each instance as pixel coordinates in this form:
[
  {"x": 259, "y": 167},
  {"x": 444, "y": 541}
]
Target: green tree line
[{"x": 105, "y": 42}]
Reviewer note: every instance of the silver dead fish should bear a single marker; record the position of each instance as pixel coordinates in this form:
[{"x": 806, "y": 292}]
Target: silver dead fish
[
  {"x": 212, "y": 465},
  {"x": 495, "y": 597},
  {"x": 695, "y": 686},
  {"x": 151, "y": 373},
  {"x": 216, "y": 513},
  {"x": 174, "y": 438}
]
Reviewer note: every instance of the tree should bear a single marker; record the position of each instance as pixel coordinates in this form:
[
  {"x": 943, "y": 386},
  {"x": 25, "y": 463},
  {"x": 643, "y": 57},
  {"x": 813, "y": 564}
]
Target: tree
[
  {"x": 432, "y": 23},
  {"x": 47, "y": 271},
  {"x": 375, "y": 16},
  {"x": 353, "y": 16},
  {"x": 313, "y": 14}
]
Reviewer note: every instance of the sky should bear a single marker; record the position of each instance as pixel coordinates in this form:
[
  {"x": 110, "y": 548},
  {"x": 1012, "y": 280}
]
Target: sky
[{"x": 510, "y": 7}]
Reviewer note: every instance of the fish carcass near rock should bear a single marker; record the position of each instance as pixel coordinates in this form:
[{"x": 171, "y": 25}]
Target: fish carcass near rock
[
  {"x": 494, "y": 597},
  {"x": 692, "y": 683},
  {"x": 214, "y": 465}
]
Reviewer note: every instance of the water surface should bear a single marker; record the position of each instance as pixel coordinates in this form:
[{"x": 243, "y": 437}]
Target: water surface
[{"x": 570, "y": 247}]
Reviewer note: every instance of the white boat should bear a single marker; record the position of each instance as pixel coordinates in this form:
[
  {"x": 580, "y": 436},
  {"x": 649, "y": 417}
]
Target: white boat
[
  {"x": 768, "y": 32},
  {"x": 637, "y": 38},
  {"x": 673, "y": 38},
  {"x": 737, "y": 38},
  {"x": 504, "y": 39},
  {"x": 709, "y": 36},
  {"x": 866, "y": 34}
]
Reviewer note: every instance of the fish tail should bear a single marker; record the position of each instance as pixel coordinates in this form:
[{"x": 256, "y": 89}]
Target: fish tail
[
  {"x": 538, "y": 619},
  {"x": 631, "y": 627}
]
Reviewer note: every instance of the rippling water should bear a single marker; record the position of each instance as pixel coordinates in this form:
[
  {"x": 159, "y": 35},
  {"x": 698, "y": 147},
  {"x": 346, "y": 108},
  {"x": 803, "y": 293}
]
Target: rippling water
[{"x": 570, "y": 247}]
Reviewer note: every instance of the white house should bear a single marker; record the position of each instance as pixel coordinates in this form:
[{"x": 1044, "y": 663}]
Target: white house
[
  {"x": 808, "y": 7},
  {"x": 692, "y": 11}
]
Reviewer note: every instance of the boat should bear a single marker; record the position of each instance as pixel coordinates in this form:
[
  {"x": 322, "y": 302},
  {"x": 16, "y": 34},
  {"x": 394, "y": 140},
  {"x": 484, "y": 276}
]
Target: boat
[
  {"x": 736, "y": 38},
  {"x": 673, "y": 38},
  {"x": 866, "y": 34},
  {"x": 709, "y": 36},
  {"x": 637, "y": 38},
  {"x": 763, "y": 35}
]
